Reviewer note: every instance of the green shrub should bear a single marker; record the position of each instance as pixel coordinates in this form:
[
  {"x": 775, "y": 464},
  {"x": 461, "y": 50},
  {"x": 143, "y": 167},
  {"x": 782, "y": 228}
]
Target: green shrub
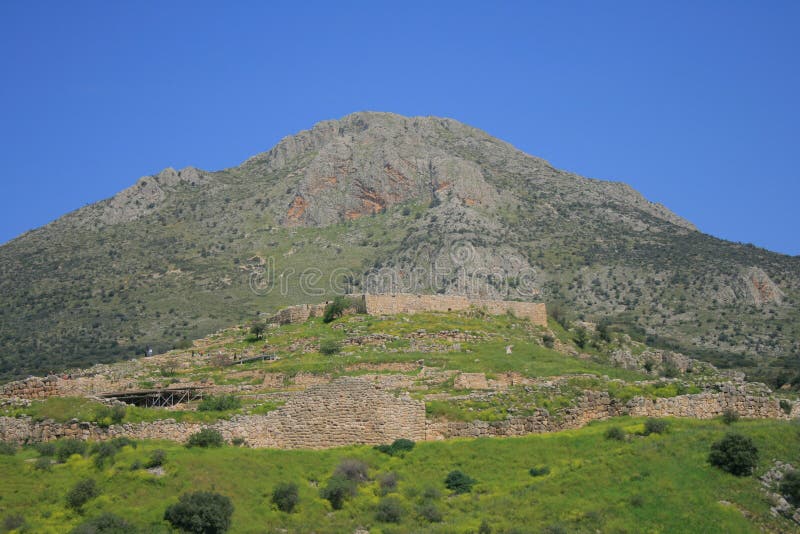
[
  {"x": 549, "y": 341},
  {"x": 106, "y": 523},
  {"x": 431, "y": 494},
  {"x": 353, "y": 470},
  {"x": 335, "y": 309},
  {"x": 103, "y": 451},
  {"x": 388, "y": 482},
  {"x": 786, "y": 406},
  {"x": 67, "y": 447},
  {"x": 157, "y": 459},
  {"x": 484, "y": 528},
  {"x": 207, "y": 437},
  {"x": 458, "y": 482},
  {"x": 390, "y": 510},
  {"x": 239, "y": 441},
  {"x": 202, "y": 512},
  {"x": 735, "y": 454},
  {"x": 337, "y": 490},
  {"x": 45, "y": 448},
  {"x": 13, "y": 522},
  {"x": 286, "y": 496},
  {"x": 329, "y": 347},
  {"x": 539, "y": 471},
  {"x": 81, "y": 493},
  {"x": 730, "y": 416},
  {"x": 398, "y": 448},
  {"x": 790, "y": 487},
  {"x": 8, "y": 448},
  {"x": 430, "y": 513},
  {"x": 670, "y": 371},
  {"x": 43, "y": 463},
  {"x": 616, "y": 433},
  {"x": 655, "y": 426},
  {"x": 219, "y": 403}
]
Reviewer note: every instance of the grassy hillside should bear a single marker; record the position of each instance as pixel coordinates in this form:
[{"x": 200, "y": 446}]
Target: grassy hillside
[{"x": 656, "y": 483}]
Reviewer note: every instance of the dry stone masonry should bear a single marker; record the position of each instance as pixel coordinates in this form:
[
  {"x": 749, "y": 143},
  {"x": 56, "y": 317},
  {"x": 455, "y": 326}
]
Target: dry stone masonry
[{"x": 389, "y": 304}]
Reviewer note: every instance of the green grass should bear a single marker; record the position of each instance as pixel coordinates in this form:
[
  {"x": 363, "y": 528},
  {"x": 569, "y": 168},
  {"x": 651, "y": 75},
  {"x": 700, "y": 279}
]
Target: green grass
[{"x": 659, "y": 483}]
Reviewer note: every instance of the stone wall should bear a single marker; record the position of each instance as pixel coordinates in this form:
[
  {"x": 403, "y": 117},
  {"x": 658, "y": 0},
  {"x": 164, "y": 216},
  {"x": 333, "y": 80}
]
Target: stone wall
[
  {"x": 343, "y": 412},
  {"x": 33, "y": 387},
  {"x": 596, "y": 406},
  {"x": 389, "y": 304}
]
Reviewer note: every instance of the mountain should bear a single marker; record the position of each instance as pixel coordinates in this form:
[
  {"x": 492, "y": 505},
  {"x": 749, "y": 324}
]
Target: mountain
[{"x": 377, "y": 201}]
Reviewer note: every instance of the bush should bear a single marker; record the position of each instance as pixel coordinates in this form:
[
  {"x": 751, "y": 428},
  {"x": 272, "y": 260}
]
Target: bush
[
  {"x": 458, "y": 482},
  {"x": 13, "y": 522},
  {"x": 790, "y": 487},
  {"x": 337, "y": 490},
  {"x": 8, "y": 448},
  {"x": 335, "y": 309},
  {"x": 655, "y": 426},
  {"x": 81, "y": 493},
  {"x": 549, "y": 341},
  {"x": 157, "y": 459},
  {"x": 735, "y": 454},
  {"x": 68, "y": 447},
  {"x": 207, "y": 437},
  {"x": 730, "y": 416},
  {"x": 43, "y": 463},
  {"x": 388, "y": 482},
  {"x": 219, "y": 403},
  {"x": 430, "y": 513},
  {"x": 329, "y": 346},
  {"x": 786, "y": 406},
  {"x": 285, "y": 496},
  {"x": 47, "y": 448},
  {"x": 353, "y": 470},
  {"x": 398, "y": 448},
  {"x": 431, "y": 494},
  {"x": 390, "y": 510},
  {"x": 616, "y": 433},
  {"x": 103, "y": 451},
  {"x": 484, "y": 528},
  {"x": 202, "y": 512},
  {"x": 539, "y": 471},
  {"x": 108, "y": 415},
  {"x": 106, "y": 523}
]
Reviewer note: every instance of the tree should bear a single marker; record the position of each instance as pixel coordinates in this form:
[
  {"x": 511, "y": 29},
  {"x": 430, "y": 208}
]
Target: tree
[
  {"x": 285, "y": 496},
  {"x": 258, "y": 329},
  {"x": 581, "y": 337},
  {"x": 735, "y": 454},
  {"x": 202, "y": 512}
]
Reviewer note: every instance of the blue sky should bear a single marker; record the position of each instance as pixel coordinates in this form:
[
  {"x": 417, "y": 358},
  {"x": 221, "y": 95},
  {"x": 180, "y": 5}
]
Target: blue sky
[{"x": 695, "y": 104}]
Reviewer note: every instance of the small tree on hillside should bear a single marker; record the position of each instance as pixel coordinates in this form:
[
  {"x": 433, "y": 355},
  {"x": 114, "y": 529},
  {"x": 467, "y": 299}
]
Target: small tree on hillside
[
  {"x": 202, "y": 512},
  {"x": 735, "y": 454},
  {"x": 335, "y": 309},
  {"x": 257, "y": 329}
]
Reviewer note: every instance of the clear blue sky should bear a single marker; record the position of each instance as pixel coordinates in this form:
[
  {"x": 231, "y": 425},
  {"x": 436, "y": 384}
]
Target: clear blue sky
[{"x": 695, "y": 104}]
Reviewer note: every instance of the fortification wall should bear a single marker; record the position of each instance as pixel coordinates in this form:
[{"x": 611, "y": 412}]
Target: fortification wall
[
  {"x": 389, "y": 304},
  {"x": 33, "y": 387},
  {"x": 345, "y": 411}
]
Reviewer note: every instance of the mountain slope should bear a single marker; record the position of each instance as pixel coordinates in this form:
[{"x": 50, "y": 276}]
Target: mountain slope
[{"x": 382, "y": 202}]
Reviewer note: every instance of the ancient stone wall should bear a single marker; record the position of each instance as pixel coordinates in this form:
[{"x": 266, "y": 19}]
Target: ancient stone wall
[
  {"x": 33, "y": 387},
  {"x": 343, "y": 412},
  {"x": 389, "y": 304}
]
